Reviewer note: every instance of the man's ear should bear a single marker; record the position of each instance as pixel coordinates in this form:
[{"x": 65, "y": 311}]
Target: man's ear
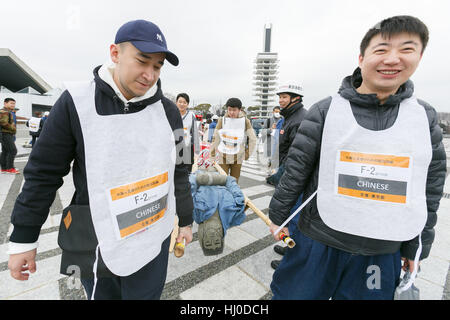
[
  {"x": 360, "y": 60},
  {"x": 114, "y": 51}
]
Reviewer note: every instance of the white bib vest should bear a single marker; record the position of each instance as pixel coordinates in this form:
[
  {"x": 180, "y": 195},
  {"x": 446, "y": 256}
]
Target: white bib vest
[
  {"x": 372, "y": 183},
  {"x": 187, "y": 125},
  {"x": 33, "y": 124},
  {"x": 130, "y": 163},
  {"x": 231, "y": 135}
]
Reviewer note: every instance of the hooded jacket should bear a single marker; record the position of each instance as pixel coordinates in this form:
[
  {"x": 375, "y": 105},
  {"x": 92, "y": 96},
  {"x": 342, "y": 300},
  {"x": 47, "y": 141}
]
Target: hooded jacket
[{"x": 302, "y": 168}]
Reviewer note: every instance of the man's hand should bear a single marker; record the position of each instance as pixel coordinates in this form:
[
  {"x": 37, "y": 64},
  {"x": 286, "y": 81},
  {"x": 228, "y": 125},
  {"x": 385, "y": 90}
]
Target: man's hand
[
  {"x": 21, "y": 262},
  {"x": 409, "y": 264},
  {"x": 273, "y": 227},
  {"x": 185, "y": 233}
]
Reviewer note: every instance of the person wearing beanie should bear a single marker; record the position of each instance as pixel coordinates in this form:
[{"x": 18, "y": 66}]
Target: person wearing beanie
[{"x": 234, "y": 139}]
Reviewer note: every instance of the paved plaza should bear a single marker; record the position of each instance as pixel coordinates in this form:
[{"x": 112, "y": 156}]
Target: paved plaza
[{"x": 241, "y": 272}]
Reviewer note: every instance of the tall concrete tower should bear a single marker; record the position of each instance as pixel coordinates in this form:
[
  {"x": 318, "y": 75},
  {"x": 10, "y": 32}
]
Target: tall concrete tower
[{"x": 265, "y": 76}]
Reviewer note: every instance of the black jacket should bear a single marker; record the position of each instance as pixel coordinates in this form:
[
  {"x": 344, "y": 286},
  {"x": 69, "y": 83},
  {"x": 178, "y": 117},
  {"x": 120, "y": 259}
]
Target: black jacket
[
  {"x": 293, "y": 116},
  {"x": 302, "y": 167},
  {"x": 61, "y": 142}
]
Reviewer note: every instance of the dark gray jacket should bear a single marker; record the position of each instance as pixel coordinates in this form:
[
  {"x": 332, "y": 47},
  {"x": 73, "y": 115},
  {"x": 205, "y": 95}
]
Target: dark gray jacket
[
  {"x": 293, "y": 116},
  {"x": 302, "y": 167}
]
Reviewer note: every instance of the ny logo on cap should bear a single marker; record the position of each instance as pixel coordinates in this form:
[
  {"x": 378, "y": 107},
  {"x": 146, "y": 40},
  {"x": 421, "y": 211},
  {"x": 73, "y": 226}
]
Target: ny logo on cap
[{"x": 158, "y": 36}]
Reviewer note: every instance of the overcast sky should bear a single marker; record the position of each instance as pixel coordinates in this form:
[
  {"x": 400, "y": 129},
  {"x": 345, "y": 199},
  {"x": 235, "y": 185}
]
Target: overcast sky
[{"x": 217, "y": 41}]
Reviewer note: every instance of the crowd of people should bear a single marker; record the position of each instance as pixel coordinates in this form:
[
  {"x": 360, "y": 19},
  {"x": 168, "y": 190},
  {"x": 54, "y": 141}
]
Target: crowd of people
[{"x": 369, "y": 159}]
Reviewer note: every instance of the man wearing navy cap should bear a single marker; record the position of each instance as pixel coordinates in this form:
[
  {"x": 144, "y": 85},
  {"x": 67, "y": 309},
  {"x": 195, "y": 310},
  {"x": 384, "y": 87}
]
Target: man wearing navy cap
[{"x": 125, "y": 140}]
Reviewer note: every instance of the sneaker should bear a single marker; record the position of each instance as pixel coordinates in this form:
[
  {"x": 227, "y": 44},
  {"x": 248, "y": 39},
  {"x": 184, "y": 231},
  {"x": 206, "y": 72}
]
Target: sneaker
[
  {"x": 211, "y": 235},
  {"x": 280, "y": 250},
  {"x": 13, "y": 171},
  {"x": 275, "y": 263},
  {"x": 4, "y": 171}
]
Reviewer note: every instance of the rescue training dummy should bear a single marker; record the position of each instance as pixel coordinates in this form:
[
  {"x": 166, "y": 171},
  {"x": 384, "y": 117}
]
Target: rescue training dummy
[{"x": 219, "y": 204}]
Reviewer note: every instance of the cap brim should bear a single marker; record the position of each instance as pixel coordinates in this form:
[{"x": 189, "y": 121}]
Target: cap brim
[{"x": 149, "y": 47}]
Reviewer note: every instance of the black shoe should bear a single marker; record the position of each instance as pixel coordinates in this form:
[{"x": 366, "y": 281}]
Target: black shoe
[
  {"x": 275, "y": 263},
  {"x": 269, "y": 180},
  {"x": 280, "y": 250}
]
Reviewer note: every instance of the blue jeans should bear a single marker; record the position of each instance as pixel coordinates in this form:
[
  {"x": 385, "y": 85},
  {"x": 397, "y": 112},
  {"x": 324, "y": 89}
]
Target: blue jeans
[{"x": 313, "y": 271}]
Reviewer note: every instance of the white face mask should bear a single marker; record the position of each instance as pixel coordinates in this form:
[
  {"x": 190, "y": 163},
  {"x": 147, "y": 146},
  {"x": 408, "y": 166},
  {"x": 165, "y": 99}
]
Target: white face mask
[{"x": 276, "y": 115}]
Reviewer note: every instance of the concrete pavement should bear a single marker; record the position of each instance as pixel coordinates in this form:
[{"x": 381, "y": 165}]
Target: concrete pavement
[
  {"x": 247, "y": 254},
  {"x": 241, "y": 272}
]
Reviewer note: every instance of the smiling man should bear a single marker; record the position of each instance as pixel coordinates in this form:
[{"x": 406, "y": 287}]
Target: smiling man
[
  {"x": 122, "y": 135},
  {"x": 353, "y": 235},
  {"x": 387, "y": 61}
]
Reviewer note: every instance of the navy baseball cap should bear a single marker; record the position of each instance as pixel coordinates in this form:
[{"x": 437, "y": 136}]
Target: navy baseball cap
[{"x": 146, "y": 37}]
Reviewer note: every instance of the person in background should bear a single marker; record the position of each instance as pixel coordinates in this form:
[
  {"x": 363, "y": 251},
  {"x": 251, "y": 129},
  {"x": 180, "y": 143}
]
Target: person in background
[
  {"x": 212, "y": 127},
  {"x": 8, "y": 136},
  {"x": 191, "y": 130},
  {"x": 35, "y": 125},
  {"x": 290, "y": 99},
  {"x": 273, "y": 134},
  {"x": 230, "y": 139}
]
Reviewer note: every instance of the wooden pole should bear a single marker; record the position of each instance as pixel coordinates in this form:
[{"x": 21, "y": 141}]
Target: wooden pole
[
  {"x": 174, "y": 235},
  {"x": 258, "y": 212},
  {"x": 289, "y": 241},
  {"x": 178, "y": 247}
]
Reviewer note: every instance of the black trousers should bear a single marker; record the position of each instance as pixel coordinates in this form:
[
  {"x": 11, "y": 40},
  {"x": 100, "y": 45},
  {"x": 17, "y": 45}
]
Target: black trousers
[
  {"x": 145, "y": 284},
  {"x": 9, "y": 151},
  {"x": 188, "y": 157}
]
